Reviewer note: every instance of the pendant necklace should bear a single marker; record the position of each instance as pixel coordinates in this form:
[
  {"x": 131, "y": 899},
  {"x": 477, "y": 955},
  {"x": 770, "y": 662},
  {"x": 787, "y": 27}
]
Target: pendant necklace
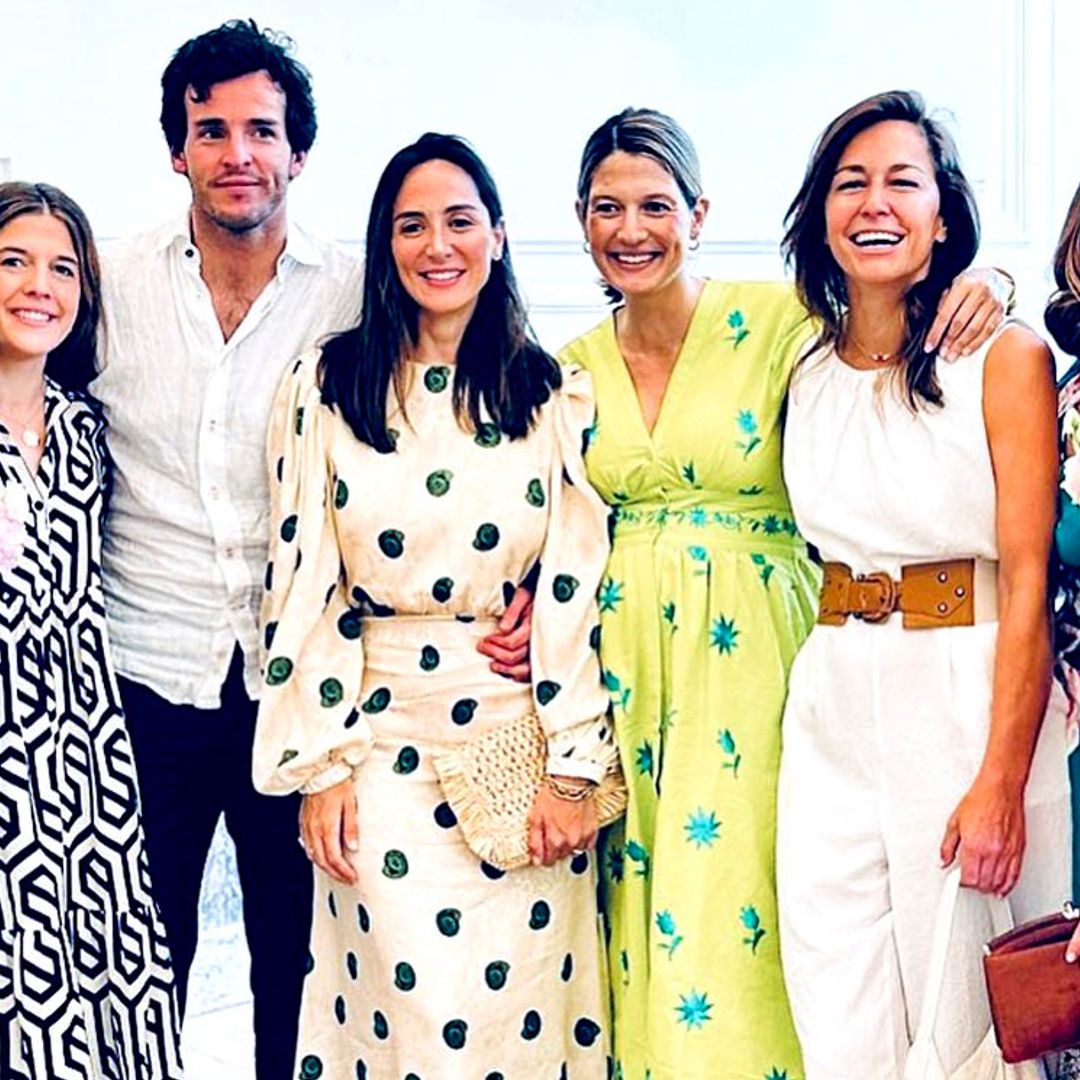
[
  {"x": 27, "y": 426},
  {"x": 876, "y": 358}
]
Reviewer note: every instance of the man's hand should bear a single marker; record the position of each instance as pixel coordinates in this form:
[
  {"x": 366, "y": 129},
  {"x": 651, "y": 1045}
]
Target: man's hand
[{"x": 508, "y": 647}]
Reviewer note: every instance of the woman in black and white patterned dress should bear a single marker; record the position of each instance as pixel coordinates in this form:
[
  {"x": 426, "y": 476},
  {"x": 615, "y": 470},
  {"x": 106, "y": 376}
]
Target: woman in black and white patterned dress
[{"x": 85, "y": 977}]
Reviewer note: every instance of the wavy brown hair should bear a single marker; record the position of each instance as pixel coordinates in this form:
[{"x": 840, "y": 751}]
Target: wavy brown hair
[
  {"x": 821, "y": 283},
  {"x": 1063, "y": 309}
]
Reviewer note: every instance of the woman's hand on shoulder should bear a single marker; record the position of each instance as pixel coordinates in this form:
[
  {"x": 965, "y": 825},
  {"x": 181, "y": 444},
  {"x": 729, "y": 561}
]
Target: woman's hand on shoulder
[
  {"x": 986, "y": 831},
  {"x": 328, "y": 830},
  {"x": 970, "y": 310},
  {"x": 560, "y": 827}
]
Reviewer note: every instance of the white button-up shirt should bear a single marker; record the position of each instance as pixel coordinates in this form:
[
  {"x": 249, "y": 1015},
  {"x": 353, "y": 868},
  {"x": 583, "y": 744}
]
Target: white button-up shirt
[{"x": 185, "y": 548}]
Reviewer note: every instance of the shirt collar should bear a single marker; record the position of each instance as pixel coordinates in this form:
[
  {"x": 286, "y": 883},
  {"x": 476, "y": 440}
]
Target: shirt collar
[{"x": 299, "y": 247}]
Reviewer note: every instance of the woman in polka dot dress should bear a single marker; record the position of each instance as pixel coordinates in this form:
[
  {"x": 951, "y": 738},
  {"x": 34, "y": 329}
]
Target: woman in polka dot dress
[{"x": 410, "y": 501}]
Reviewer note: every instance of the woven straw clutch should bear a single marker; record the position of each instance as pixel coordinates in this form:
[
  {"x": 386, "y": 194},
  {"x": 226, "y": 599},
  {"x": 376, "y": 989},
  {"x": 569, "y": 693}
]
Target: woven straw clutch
[{"x": 491, "y": 781}]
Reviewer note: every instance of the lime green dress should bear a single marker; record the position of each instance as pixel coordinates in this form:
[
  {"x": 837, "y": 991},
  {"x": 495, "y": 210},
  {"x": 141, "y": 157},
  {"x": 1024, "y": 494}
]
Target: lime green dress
[{"x": 707, "y": 597}]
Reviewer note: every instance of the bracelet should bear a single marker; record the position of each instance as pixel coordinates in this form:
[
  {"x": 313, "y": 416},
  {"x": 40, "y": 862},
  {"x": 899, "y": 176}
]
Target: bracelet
[{"x": 570, "y": 790}]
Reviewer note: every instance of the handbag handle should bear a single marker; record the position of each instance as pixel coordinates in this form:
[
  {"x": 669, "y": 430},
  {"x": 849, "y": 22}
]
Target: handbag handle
[{"x": 1001, "y": 919}]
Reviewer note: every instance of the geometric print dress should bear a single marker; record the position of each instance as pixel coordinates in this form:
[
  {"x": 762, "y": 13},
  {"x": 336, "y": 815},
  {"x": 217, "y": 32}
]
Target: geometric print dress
[
  {"x": 708, "y": 595},
  {"x": 386, "y": 571},
  {"x": 86, "y": 988}
]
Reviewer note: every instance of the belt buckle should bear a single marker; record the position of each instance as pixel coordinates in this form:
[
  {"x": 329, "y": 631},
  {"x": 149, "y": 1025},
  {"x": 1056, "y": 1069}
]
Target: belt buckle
[{"x": 884, "y": 604}]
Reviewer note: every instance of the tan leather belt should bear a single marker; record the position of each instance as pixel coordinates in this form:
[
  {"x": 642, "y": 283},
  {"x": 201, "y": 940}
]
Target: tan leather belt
[{"x": 957, "y": 592}]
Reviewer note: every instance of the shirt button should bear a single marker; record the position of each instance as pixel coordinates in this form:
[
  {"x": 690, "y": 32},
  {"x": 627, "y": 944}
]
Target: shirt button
[
  {"x": 212, "y": 425},
  {"x": 230, "y": 553},
  {"x": 190, "y": 253},
  {"x": 215, "y": 492}
]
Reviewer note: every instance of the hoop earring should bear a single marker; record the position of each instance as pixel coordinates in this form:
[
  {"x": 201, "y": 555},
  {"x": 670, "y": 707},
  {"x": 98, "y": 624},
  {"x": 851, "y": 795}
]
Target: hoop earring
[
  {"x": 695, "y": 243},
  {"x": 586, "y": 247}
]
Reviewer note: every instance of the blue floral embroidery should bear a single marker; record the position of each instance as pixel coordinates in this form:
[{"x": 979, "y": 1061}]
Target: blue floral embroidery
[
  {"x": 723, "y": 635},
  {"x": 668, "y": 611},
  {"x": 765, "y": 568},
  {"x": 726, "y": 742},
  {"x": 620, "y": 695},
  {"x": 776, "y": 1074},
  {"x": 694, "y": 1009},
  {"x": 690, "y": 475},
  {"x": 610, "y": 594},
  {"x": 665, "y": 923},
  {"x": 643, "y": 759},
  {"x": 636, "y": 853},
  {"x": 702, "y": 829},
  {"x": 740, "y": 332},
  {"x": 615, "y": 865},
  {"x": 748, "y": 425},
  {"x": 752, "y": 922}
]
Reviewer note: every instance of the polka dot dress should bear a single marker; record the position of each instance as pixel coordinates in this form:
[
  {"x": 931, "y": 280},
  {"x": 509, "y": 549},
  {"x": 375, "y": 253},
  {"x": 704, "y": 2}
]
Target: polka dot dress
[{"x": 386, "y": 571}]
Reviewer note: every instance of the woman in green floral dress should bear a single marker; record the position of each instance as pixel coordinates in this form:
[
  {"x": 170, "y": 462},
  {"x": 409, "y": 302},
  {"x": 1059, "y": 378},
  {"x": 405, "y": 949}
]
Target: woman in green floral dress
[{"x": 708, "y": 595}]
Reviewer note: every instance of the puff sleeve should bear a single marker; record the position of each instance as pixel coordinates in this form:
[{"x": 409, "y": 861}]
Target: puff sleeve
[
  {"x": 310, "y": 733},
  {"x": 570, "y": 699}
]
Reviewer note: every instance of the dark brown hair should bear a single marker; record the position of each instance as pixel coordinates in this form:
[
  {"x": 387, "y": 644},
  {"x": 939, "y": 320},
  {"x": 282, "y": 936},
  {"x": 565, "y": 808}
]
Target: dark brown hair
[
  {"x": 230, "y": 51},
  {"x": 821, "y": 283},
  {"x": 1063, "y": 309},
  {"x": 499, "y": 364},
  {"x": 73, "y": 363}
]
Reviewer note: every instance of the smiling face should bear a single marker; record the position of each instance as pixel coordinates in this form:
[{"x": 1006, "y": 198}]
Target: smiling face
[
  {"x": 39, "y": 287},
  {"x": 638, "y": 224},
  {"x": 443, "y": 240},
  {"x": 237, "y": 156},
  {"x": 882, "y": 212}
]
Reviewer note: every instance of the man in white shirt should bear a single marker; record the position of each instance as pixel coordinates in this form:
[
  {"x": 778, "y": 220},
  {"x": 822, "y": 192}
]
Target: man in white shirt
[{"x": 202, "y": 318}]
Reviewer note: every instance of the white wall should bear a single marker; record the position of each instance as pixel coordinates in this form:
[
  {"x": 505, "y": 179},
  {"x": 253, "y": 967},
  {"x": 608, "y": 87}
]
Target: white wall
[{"x": 752, "y": 82}]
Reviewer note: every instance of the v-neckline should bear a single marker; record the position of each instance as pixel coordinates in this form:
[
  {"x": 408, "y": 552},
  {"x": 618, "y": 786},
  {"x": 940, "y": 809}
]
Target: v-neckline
[{"x": 693, "y": 331}]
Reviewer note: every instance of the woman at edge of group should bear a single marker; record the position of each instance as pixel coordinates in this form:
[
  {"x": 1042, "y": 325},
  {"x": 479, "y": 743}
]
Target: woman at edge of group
[
  {"x": 708, "y": 594},
  {"x": 1063, "y": 321},
  {"x": 911, "y": 742},
  {"x": 85, "y": 977},
  {"x": 421, "y": 467}
]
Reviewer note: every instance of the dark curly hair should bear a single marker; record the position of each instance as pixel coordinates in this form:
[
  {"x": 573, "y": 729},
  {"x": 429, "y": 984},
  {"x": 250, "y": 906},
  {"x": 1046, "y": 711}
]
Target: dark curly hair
[
  {"x": 234, "y": 49},
  {"x": 818, "y": 277}
]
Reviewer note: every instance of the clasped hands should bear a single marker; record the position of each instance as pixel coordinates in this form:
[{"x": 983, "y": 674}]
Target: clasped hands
[{"x": 329, "y": 834}]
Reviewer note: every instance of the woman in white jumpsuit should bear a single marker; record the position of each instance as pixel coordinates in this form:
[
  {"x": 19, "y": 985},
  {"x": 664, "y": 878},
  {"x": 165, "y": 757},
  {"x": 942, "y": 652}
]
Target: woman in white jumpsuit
[{"x": 907, "y": 747}]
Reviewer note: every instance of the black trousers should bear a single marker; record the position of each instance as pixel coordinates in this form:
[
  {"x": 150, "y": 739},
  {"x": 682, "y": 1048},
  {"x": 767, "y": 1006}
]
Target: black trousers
[{"x": 194, "y": 765}]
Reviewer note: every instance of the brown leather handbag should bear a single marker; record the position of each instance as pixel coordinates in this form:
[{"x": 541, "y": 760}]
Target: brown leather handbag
[{"x": 1034, "y": 994}]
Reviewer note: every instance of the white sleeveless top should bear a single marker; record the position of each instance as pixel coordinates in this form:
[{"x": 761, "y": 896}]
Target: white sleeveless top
[{"x": 875, "y": 484}]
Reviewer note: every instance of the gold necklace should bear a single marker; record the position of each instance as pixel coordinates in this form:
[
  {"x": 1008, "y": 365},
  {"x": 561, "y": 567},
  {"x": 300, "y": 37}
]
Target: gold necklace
[
  {"x": 32, "y": 422},
  {"x": 879, "y": 358}
]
